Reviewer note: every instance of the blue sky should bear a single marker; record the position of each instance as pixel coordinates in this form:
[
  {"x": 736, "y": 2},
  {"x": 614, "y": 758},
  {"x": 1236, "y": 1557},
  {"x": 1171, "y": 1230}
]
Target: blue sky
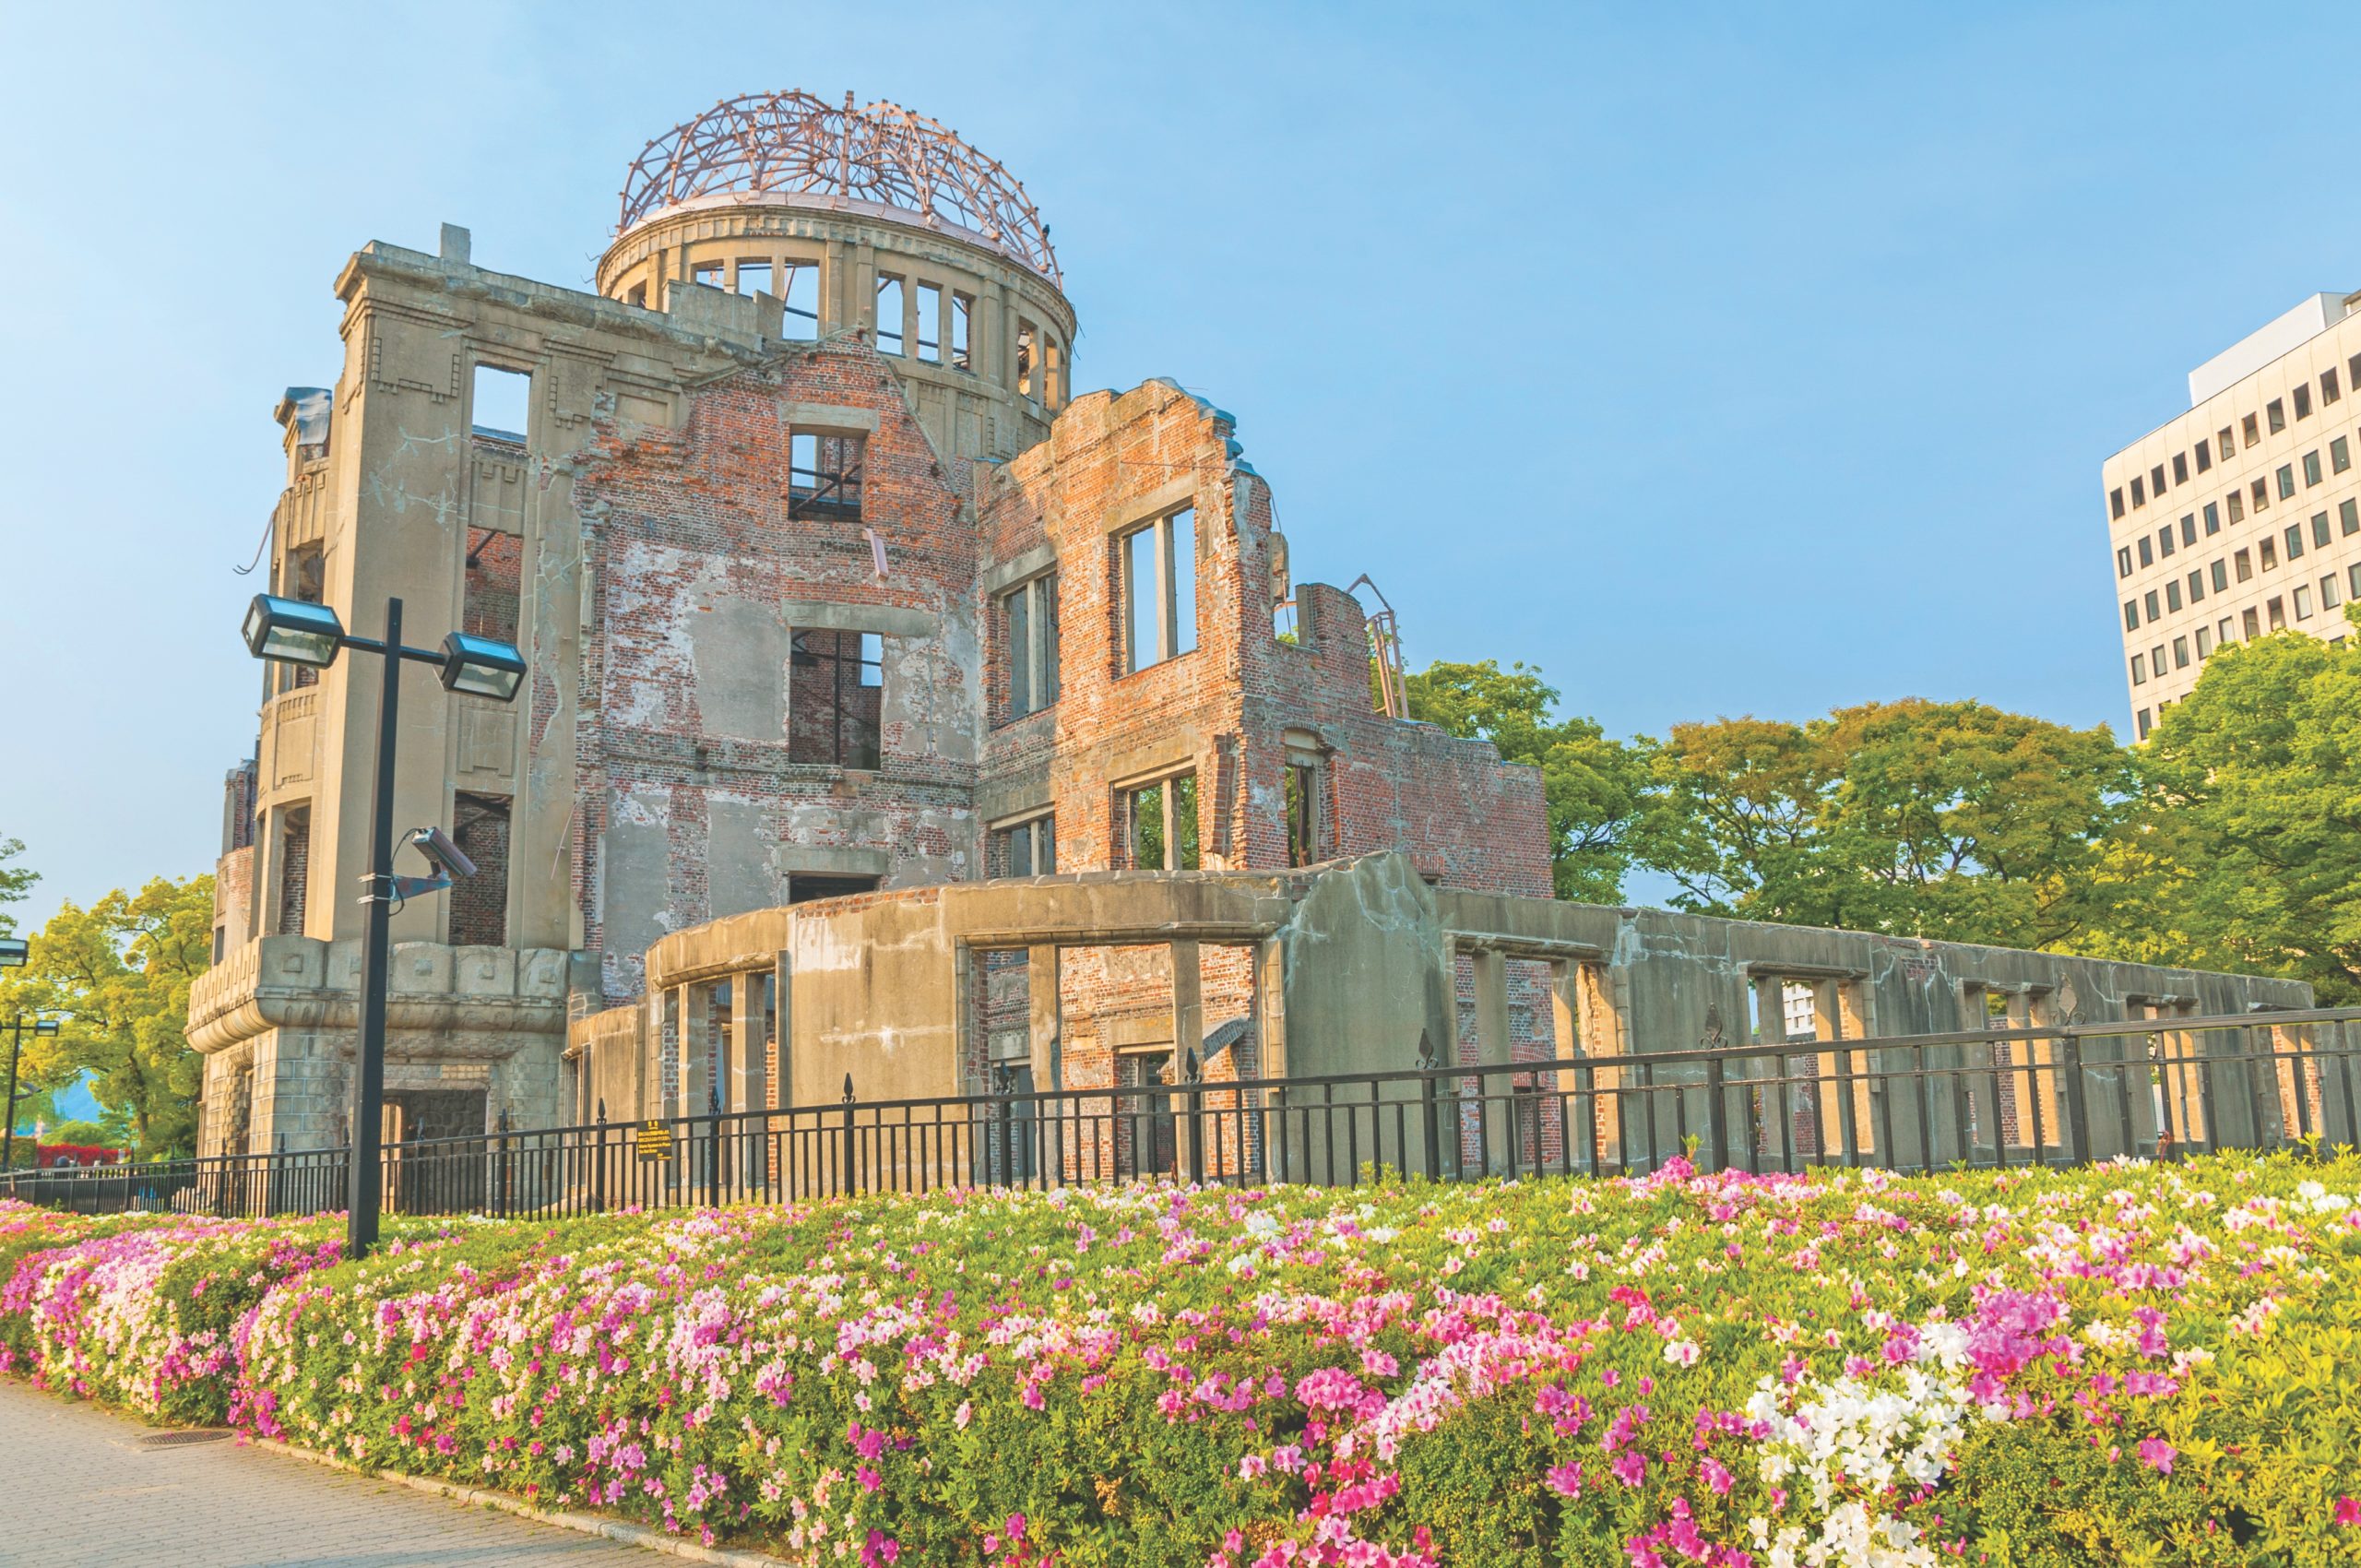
[{"x": 1743, "y": 359}]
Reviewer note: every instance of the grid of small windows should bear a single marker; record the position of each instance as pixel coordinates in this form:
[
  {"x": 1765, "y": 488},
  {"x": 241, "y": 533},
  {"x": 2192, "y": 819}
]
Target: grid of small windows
[{"x": 2298, "y": 603}]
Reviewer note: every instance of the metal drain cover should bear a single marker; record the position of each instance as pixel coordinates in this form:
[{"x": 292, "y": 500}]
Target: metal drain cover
[{"x": 183, "y": 1439}]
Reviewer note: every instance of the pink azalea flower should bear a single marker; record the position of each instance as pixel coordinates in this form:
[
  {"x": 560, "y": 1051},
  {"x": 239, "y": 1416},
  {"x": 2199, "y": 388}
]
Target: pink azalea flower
[{"x": 2157, "y": 1454}]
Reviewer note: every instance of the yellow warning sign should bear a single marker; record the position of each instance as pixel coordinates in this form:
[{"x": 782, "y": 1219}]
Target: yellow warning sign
[{"x": 655, "y": 1142}]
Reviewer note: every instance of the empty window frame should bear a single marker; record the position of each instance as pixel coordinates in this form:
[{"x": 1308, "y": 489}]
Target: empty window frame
[
  {"x": 2311, "y": 468},
  {"x": 493, "y": 583},
  {"x": 835, "y": 701},
  {"x": 479, "y": 903},
  {"x": 2212, "y": 518},
  {"x": 637, "y": 296},
  {"x": 302, "y": 575},
  {"x": 823, "y": 474},
  {"x": 891, "y": 305},
  {"x": 2303, "y": 395},
  {"x": 804, "y": 887},
  {"x": 707, "y": 273},
  {"x": 929, "y": 323},
  {"x": 2180, "y": 468},
  {"x": 500, "y": 405},
  {"x": 753, "y": 276},
  {"x": 960, "y": 331},
  {"x": 1025, "y": 848},
  {"x": 1028, "y": 368},
  {"x": 1029, "y": 623},
  {"x": 1158, "y": 562},
  {"x": 294, "y": 867},
  {"x": 1160, "y": 822},
  {"x": 1053, "y": 371},
  {"x": 801, "y": 295},
  {"x": 2277, "y": 414},
  {"x": 1301, "y": 801}
]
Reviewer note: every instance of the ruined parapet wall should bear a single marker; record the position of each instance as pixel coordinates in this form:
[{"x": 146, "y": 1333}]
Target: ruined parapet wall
[
  {"x": 285, "y": 1010},
  {"x": 699, "y": 796}
]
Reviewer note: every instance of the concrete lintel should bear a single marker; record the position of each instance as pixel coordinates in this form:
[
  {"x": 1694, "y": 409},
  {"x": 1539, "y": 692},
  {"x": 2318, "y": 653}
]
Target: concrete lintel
[
  {"x": 1219, "y": 933},
  {"x": 830, "y": 417},
  {"x": 1169, "y": 497},
  {"x": 1759, "y": 969},
  {"x": 828, "y": 615},
  {"x": 1017, "y": 568},
  {"x": 1544, "y": 948},
  {"x": 844, "y": 860}
]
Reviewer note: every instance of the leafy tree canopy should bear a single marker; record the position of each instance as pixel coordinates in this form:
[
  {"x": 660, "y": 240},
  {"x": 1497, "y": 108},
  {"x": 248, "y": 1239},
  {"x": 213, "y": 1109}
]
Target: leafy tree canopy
[{"x": 119, "y": 974}]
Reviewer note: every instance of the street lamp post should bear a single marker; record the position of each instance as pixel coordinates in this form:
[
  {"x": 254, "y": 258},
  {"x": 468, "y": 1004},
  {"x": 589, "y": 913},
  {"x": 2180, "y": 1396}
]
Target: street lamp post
[
  {"x": 296, "y": 631},
  {"x": 13, "y": 952}
]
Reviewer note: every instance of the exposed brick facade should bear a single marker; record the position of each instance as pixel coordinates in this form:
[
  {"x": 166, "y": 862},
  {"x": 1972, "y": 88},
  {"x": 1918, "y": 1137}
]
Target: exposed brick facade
[{"x": 718, "y": 608}]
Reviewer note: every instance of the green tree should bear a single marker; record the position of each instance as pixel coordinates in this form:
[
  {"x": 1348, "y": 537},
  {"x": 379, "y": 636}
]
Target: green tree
[
  {"x": 2256, "y": 777},
  {"x": 15, "y": 882},
  {"x": 120, "y": 972},
  {"x": 1601, "y": 795},
  {"x": 1951, "y": 820}
]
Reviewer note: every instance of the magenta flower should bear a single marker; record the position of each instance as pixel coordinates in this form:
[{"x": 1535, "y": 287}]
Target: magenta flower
[
  {"x": 1566, "y": 1481},
  {"x": 2348, "y": 1512},
  {"x": 2157, "y": 1454}
]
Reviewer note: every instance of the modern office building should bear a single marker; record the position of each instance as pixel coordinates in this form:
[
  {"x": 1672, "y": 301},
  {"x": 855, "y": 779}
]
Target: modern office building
[{"x": 2243, "y": 516}]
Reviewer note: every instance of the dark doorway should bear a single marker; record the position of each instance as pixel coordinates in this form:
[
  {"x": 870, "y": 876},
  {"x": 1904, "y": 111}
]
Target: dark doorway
[
  {"x": 1145, "y": 1141},
  {"x": 802, "y": 888},
  {"x": 439, "y": 1169}
]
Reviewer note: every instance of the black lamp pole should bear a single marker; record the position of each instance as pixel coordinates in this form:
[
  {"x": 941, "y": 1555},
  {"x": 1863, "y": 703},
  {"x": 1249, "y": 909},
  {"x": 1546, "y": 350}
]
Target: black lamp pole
[
  {"x": 16, "y": 1049},
  {"x": 304, "y": 632}
]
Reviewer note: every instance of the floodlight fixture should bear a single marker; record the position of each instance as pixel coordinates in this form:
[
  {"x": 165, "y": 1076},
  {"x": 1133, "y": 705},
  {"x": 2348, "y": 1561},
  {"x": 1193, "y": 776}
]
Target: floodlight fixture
[
  {"x": 482, "y": 667},
  {"x": 294, "y": 630}
]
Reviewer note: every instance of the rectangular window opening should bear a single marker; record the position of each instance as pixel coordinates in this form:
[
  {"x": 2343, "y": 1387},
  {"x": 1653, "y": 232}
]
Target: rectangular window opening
[
  {"x": 1303, "y": 807},
  {"x": 2303, "y": 395},
  {"x": 823, "y": 474},
  {"x": 889, "y": 314},
  {"x": 2278, "y": 416},
  {"x": 801, "y": 298},
  {"x": 1026, "y": 849},
  {"x": 1029, "y": 616},
  {"x": 1160, "y": 825},
  {"x": 930, "y": 323},
  {"x": 1158, "y": 562},
  {"x": 500, "y": 405},
  {"x": 479, "y": 903},
  {"x": 963, "y": 310},
  {"x": 836, "y": 704},
  {"x": 753, "y": 276},
  {"x": 493, "y": 584}
]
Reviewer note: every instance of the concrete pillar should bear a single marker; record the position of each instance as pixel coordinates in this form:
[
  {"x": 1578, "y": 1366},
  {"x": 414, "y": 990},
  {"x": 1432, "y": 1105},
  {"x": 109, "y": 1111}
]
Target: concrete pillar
[
  {"x": 1854, "y": 1020},
  {"x": 1498, "y": 1089},
  {"x": 743, "y": 1090},
  {"x": 1188, "y": 1039},
  {"x": 1041, "y": 993},
  {"x": 1759, "y": 1125},
  {"x": 695, "y": 1089},
  {"x": 782, "y": 1086}
]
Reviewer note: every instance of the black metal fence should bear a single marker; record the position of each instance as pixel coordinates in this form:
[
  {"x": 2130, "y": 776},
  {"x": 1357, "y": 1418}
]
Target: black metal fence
[{"x": 1999, "y": 1097}]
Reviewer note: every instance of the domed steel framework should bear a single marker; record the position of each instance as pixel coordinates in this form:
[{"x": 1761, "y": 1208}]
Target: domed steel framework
[{"x": 792, "y": 145}]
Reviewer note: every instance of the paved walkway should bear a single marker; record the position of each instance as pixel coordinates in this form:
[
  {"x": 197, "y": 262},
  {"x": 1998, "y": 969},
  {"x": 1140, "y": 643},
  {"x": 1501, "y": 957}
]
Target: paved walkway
[{"x": 77, "y": 1490}]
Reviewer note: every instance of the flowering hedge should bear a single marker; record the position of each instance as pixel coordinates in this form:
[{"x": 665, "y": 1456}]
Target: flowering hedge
[{"x": 2136, "y": 1364}]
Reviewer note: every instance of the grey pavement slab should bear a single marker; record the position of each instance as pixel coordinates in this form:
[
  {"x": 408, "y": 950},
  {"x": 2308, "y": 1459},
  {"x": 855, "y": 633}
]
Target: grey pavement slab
[{"x": 79, "y": 1489}]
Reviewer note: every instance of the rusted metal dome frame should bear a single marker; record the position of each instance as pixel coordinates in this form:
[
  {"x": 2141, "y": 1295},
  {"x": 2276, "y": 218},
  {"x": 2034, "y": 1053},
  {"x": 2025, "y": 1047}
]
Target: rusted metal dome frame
[{"x": 791, "y": 145}]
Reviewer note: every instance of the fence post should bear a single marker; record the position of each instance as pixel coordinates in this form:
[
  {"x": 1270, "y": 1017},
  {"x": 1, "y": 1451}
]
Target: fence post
[
  {"x": 1426, "y": 1108},
  {"x": 713, "y": 1147},
  {"x": 852, "y": 1154},
  {"x": 1717, "y": 1133},
  {"x": 599, "y": 1163},
  {"x": 1190, "y": 1074},
  {"x": 2078, "y": 1107}
]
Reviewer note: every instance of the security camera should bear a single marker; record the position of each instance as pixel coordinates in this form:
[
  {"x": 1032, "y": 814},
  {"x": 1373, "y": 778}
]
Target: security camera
[{"x": 436, "y": 846}]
